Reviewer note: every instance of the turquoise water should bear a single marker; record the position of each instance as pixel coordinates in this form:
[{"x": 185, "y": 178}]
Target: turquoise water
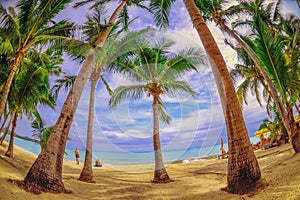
[{"x": 121, "y": 158}]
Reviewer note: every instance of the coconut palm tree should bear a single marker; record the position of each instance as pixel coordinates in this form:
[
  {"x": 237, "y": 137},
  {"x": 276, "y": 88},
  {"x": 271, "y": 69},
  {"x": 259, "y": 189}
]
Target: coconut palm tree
[
  {"x": 154, "y": 73},
  {"x": 30, "y": 87},
  {"x": 32, "y": 24},
  {"x": 243, "y": 169},
  {"x": 212, "y": 10},
  {"x": 7, "y": 128},
  {"x": 47, "y": 176},
  {"x": 269, "y": 48}
]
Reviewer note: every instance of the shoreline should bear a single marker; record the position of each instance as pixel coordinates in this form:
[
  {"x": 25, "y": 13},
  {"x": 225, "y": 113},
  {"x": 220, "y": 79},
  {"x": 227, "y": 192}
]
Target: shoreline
[{"x": 129, "y": 158}]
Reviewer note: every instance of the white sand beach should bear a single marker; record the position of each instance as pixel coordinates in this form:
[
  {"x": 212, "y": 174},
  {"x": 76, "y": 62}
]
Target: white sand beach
[{"x": 198, "y": 180}]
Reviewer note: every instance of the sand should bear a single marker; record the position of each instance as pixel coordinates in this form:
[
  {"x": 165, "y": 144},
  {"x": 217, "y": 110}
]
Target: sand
[{"x": 198, "y": 180}]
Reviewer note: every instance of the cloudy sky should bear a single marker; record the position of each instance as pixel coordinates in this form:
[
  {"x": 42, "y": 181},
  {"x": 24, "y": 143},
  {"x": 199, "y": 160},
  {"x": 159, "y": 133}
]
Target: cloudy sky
[{"x": 195, "y": 122}]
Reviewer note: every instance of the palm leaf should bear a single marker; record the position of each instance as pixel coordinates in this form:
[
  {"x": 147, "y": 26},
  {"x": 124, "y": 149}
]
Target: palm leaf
[
  {"x": 126, "y": 92},
  {"x": 161, "y": 9}
]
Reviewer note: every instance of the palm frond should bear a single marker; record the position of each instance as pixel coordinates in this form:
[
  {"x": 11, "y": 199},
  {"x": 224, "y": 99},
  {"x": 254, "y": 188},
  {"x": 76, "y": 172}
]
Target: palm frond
[
  {"x": 175, "y": 88},
  {"x": 126, "y": 92},
  {"x": 162, "y": 111},
  {"x": 65, "y": 83},
  {"x": 110, "y": 92},
  {"x": 161, "y": 9}
]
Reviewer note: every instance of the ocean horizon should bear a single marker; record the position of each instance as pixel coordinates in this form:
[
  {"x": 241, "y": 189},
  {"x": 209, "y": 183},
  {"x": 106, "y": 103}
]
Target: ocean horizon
[{"x": 127, "y": 158}]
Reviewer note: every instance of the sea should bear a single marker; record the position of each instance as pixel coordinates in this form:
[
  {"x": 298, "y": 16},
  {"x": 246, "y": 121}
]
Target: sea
[{"x": 127, "y": 158}]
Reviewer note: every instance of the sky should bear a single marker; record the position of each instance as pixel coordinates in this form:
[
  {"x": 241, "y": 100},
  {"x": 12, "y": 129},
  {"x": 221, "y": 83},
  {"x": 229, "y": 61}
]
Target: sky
[{"x": 195, "y": 122}]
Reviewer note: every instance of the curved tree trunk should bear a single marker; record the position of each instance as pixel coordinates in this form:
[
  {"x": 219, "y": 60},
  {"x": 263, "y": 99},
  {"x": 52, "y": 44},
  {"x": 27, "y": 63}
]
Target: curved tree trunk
[
  {"x": 10, "y": 149},
  {"x": 160, "y": 173},
  {"x": 243, "y": 168},
  {"x": 45, "y": 174},
  {"x": 4, "y": 122},
  {"x": 87, "y": 171},
  {"x": 297, "y": 109},
  {"x": 19, "y": 56},
  {"x": 6, "y": 130},
  {"x": 286, "y": 116}
]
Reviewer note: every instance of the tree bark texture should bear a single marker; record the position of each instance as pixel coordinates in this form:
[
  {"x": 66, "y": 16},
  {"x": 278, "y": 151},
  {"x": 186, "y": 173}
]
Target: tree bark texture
[
  {"x": 7, "y": 129},
  {"x": 243, "y": 168},
  {"x": 4, "y": 122},
  {"x": 10, "y": 149},
  {"x": 45, "y": 174},
  {"x": 87, "y": 171},
  {"x": 160, "y": 173},
  {"x": 18, "y": 58}
]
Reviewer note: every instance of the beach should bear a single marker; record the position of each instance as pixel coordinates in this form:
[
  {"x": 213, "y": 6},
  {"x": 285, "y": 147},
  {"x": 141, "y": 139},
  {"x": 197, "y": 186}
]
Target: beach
[{"x": 205, "y": 179}]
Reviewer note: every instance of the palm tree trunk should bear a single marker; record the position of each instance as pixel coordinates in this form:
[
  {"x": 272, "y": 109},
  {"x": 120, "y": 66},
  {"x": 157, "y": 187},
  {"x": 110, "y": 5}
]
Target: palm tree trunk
[
  {"x": 286, "y": 116},
  {"x": 18, "y": 58},
  {"x": 87, "y": 172},
  {"x": 104, "y": 34},
  {"x": 6, "y": 130},
  {"x": 4, "y": 122},
  {"x": 10, "y": 149},
  {"x": 243, "y": 168},
  {"x": 294, "y": 129},
  {"x": 297, "y": 108},
  {"x": 46, "y": 172},
  {"x": 160, "y": 173}
]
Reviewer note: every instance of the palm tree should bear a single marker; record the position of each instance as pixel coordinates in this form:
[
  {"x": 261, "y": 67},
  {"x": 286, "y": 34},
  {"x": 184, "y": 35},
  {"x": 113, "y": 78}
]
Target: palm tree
[
  {"x": 7, "y": 129},
  {"x": 243, "y": 168},
  {"x": 47, "y": 176},
  {"x": 109, "y": 51},
  {"x": 155, "y": 74},
  {"x": 269, "y": 49},
  {"x": 213, "y": 12},
  {"x": 33, "y": 24},
  {"x": 30, "y": 87}
]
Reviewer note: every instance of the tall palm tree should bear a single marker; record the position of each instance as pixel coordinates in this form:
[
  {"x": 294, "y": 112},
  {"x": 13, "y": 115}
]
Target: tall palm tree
[
  {"x": 212, "y": 10},
  {"x": 47, "y": 176},
  {"x": 33, "y": 24},
  {"x": 46, "y": 172},
  {"x": 269, "y": 49},
  {"x": 30, "y": 88},
  {"x": 271, "y": 35},
  {"x": 93, "y": 27},
  {"x": 154, "y": 73},
  {"x": 243, "y": 168},
  {"x": 7, "y": 128}
]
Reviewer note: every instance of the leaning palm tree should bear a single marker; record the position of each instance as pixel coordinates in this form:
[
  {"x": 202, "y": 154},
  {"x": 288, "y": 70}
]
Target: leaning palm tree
[
  {"x": 30, "y": 88},
  {"x": 154, "y": 73},
  {"x": 33, "y": 24},
  {"x": 269, "y": 48},
  {"x": 47, "y": 176},
  {"x": 268, "y": 34},
  {"x": 243, "y": 168}
]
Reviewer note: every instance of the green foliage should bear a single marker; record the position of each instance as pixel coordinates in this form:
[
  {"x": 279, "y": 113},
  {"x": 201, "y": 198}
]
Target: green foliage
[
  {"x": 161, "y": 10},
  {"x": 154, "y": 72}
]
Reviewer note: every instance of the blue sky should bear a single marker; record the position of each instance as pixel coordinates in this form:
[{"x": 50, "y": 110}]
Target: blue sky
[{"x": 195, "y": 122}]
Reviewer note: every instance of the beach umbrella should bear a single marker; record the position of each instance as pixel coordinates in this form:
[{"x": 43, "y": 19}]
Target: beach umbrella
[
  {"x": 297, "y": 119},
  {"x": 263, "y": 132},
  {"x": 222, "y": 144}
]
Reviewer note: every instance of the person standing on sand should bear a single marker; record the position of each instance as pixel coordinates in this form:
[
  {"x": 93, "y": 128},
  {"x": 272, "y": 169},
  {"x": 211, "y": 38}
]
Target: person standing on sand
[{"x": 77, "y": 155}]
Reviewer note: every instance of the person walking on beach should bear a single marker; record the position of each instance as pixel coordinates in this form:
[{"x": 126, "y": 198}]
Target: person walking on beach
[{"x": 77, "y": 155}]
